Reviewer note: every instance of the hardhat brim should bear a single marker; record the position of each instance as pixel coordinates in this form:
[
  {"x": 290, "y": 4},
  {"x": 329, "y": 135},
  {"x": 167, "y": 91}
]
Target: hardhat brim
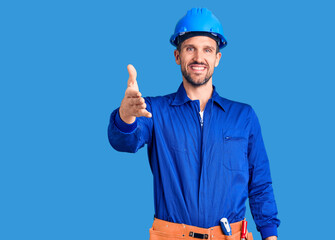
[{"x": 223, "y": 41}]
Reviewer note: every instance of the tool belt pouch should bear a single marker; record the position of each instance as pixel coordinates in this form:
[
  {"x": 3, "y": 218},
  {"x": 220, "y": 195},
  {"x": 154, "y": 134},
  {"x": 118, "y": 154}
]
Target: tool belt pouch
[
  {"x": 163, "y": 230},
  {"x": 157, "y": 235},
  {"x": 236, "y": 236}
]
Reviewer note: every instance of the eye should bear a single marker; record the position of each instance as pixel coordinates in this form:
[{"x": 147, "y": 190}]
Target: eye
[
  {"x": 189, "y": 49},
  {"x": 208, "y": 50}
]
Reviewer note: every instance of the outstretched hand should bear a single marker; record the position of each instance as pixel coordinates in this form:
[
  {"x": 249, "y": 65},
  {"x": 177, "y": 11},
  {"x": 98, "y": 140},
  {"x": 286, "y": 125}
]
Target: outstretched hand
[{"x": 133, "y": 104}]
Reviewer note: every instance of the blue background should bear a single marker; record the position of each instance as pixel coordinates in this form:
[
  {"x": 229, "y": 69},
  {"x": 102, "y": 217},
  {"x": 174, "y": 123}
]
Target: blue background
[{"x": 63, "y": 71}]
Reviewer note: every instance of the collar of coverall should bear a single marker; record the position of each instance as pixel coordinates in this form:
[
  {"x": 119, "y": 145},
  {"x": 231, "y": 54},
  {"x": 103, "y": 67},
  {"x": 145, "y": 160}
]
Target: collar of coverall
[{"x": 181, "y": 97}]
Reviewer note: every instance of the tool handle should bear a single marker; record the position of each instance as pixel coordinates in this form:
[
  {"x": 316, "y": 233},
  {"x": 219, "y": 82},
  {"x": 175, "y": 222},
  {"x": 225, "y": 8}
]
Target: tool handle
[{"x": 244, "y": 229}]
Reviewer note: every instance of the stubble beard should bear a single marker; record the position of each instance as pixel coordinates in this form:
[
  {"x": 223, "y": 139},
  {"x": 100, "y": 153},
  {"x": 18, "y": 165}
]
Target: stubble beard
[{"x": 191, "y": 81}]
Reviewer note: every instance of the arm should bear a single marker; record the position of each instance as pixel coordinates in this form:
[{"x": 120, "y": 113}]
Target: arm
[
  {"x": 130, "y": 126},
  {"x": 261, "y": 198},
  {"x": 129, "y": 137}
]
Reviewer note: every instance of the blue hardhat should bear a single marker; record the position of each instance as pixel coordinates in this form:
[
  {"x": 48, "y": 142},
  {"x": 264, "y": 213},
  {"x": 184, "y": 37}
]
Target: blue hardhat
[{"x": 199, "y": 20}]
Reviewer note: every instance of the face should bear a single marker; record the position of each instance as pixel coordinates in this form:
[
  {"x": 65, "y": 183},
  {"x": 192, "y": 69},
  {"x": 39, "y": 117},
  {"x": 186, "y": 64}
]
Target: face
[{"x": 197, "y": 59}]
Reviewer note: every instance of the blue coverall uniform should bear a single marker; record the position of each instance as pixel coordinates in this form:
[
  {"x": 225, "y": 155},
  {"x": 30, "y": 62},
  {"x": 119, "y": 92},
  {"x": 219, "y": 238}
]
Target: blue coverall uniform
[{"x": 202, "y": 174}]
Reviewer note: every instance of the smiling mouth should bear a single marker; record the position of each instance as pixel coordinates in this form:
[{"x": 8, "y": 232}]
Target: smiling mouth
[{"x": 197, "y": 68}]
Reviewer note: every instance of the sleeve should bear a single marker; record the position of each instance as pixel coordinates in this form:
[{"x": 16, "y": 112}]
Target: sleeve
[
  {"x": 125, "y": 137},
  {"x": 261, "y": 198}
]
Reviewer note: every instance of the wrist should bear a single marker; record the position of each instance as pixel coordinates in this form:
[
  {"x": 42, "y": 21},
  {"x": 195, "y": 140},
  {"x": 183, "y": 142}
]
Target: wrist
[
  {"x": 122, "y": 126},
  {"x": 125, "y": 118}
]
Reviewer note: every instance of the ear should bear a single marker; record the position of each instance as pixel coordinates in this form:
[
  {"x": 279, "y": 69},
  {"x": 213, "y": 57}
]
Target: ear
[
  {"x": 218, "y": 57},
  {"x": 177, "y": 56}
]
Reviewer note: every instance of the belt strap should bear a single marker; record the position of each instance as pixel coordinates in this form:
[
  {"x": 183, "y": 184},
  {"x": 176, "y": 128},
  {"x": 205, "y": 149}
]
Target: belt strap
[
  {"x": 198, "y": 235},
  {"x": 189, "y": 230},
  {"x": 168, "y": 230}
]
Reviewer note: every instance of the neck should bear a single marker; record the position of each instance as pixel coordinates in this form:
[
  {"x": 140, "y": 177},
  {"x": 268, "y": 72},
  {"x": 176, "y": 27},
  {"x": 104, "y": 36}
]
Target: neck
[{"x": 202, "y": 93}]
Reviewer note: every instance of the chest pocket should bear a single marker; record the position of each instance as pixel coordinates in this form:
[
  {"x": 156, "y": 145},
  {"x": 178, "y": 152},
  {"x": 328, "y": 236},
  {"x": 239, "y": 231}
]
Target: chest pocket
[{"x": 235, "y": 149}]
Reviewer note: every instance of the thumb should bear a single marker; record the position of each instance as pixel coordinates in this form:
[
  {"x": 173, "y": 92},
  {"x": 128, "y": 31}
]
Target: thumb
[{"x": 132, "y": 75}]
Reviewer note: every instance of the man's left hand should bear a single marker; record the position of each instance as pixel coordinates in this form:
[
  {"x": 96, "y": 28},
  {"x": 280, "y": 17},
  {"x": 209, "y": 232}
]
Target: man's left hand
[{"x": 271, "y": 238}]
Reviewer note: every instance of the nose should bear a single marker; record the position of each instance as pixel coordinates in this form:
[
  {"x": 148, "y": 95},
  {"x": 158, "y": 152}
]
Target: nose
[{"x": 198, "y": 56}]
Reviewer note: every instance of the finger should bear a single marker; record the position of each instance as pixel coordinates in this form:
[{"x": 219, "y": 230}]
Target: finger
[
  {"x": 136, "y": 101},
  {"x": 132, "y": 93},
  {"x": 132, "y": 76},
  {"x": 146, "y": 113},
  {"x": 132, "y": 72},
  {"x": 143, "y": 113},
  {"x": 140, "y": 106},
  {"x": 135, "y": 108}
]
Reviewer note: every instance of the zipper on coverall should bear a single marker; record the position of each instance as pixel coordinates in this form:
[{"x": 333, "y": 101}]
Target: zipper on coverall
[{"x": 201, "y": 121}]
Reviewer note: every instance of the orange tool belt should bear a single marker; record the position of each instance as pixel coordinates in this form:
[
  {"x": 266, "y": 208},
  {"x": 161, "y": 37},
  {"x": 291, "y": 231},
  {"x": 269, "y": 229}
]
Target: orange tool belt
[{"x": 164, "y": 230}]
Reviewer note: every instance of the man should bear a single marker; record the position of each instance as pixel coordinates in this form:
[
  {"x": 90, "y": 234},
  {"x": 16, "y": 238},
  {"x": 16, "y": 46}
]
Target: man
[{"x": 206, "y": 152}]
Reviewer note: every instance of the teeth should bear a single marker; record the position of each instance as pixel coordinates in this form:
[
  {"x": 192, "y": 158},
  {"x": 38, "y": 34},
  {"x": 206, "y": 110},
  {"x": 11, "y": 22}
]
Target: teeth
[{"x": 198, "y": 68}]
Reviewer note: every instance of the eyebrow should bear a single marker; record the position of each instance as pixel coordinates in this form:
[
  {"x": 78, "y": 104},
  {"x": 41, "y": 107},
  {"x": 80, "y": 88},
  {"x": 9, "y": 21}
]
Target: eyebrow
[{"x": 191, "y": 45}]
